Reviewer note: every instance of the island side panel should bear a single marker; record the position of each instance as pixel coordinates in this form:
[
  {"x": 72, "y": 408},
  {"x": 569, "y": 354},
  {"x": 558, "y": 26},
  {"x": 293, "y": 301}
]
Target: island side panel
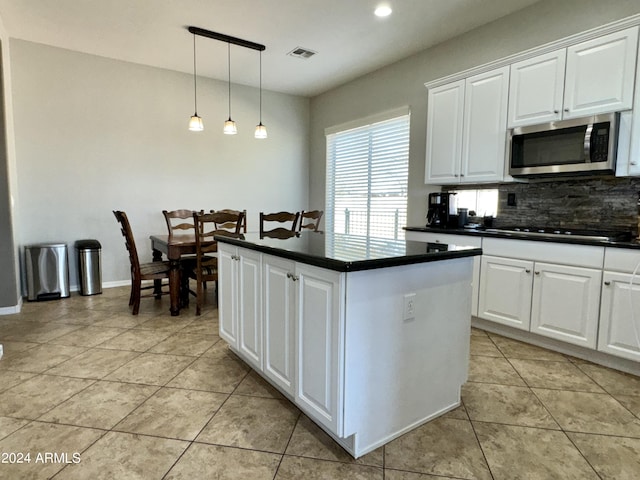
[{"x": 401, "y": 373}]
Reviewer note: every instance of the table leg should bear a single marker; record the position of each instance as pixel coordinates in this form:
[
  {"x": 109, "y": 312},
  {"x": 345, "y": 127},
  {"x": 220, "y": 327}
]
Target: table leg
[
  {"x": 174, "y": 286},
  {"x": 157, "y": 284}
]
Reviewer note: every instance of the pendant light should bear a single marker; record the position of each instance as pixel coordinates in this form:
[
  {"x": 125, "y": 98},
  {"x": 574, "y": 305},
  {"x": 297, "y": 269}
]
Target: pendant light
[
  {"x": 195, "y": 123},
  {"x": 229, "y": 125},
  {"x": 261, "y": 130}
]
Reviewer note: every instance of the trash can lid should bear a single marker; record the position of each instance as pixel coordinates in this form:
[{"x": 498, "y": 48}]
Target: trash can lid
[{"x": 88, "y": 244}]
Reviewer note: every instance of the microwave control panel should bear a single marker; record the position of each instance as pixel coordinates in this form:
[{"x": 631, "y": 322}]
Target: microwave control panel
[{"x": 600, "y": 142}]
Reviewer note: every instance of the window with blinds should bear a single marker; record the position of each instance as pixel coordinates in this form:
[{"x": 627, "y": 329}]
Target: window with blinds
[{"x": 367, "y": 176}]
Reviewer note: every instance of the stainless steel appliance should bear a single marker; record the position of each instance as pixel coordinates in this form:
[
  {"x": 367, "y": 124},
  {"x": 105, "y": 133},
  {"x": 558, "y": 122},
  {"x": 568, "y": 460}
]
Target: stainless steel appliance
[
  {"x": 569, "y": 147},
  {"x": 441, "y": 211}
]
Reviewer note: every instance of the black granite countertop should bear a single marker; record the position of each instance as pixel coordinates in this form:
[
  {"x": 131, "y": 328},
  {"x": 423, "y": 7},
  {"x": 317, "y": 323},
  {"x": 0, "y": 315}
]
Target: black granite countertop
[
  {"x": 347, "y": 253},
  {"x": 634, "y": 244}
]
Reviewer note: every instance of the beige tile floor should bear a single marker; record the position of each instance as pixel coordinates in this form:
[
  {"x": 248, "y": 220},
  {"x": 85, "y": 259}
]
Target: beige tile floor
[{"x": 160, "y": 397}]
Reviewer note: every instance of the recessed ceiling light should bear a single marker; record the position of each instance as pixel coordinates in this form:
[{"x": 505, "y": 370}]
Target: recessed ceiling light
[{"x": 383, "y": 11}]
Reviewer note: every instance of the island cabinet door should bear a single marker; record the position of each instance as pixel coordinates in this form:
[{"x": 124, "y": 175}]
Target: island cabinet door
[
  {"x": 250, "y": 306},
  {"x": 278, "y": 320},
  {"x": 320, "y": 350},
  {"x": 619, "y": 310},
  {"x": 505, "y": 291},
  {"x": 566, "y": 303},
  {"x": 228, "y": 293}
]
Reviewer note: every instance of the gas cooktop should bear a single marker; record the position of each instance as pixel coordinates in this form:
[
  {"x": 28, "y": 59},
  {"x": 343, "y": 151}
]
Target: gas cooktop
[{"x": 578, "y": 234}]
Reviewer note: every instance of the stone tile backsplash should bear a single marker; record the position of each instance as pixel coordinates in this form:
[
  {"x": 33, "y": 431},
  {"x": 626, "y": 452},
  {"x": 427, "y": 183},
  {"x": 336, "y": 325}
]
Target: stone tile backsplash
[{"x": 594, "y": 203}]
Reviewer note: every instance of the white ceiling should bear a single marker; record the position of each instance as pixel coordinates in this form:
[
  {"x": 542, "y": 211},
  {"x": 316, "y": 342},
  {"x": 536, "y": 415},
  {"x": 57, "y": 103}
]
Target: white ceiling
[{"x": 349, "y": 40}]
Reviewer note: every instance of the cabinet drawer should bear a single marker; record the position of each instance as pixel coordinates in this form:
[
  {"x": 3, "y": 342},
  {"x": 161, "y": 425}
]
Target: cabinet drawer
[
  {"x": 622, "y": 260},
  {"x": 561, "y": 253}
]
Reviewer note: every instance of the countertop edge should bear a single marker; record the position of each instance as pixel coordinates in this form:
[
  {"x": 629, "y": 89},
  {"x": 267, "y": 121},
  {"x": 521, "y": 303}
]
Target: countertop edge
[
  {"x": 515, "y": 236},
  {"x": 350, "y": 266}
]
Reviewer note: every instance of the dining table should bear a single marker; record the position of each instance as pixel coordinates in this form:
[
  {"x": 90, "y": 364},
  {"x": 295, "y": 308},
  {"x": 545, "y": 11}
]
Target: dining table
[{"x": 175, "y": 247}]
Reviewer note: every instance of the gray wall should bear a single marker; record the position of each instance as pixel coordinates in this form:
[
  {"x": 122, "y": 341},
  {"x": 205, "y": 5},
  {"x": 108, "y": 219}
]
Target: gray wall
[
  {"x": 94, "y": 135},
  {"x": 403, "y": 83},
  {"x": 8, "y": 277}
]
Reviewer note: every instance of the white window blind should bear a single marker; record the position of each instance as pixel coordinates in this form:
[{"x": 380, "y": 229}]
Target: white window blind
[{"x": 367, "y": 175}]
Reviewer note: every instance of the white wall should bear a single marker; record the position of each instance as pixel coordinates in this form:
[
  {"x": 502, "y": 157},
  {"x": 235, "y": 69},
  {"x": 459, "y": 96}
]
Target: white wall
[
  {"x": 402, "y": 83},
  {"x": 94, "y": 135}
]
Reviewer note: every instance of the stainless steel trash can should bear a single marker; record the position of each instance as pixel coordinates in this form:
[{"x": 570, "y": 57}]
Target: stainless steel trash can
[
  {"x": 89, "y": 270},
  {"x": 47, "y": 268}
]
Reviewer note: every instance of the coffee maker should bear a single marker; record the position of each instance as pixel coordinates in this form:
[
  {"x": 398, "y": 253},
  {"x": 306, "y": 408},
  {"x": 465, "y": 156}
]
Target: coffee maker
[{"x": 441, "y": 212}]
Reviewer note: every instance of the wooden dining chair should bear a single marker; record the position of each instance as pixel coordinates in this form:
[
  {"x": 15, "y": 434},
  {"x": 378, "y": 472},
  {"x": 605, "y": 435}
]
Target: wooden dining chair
[
  {"x": 141, "y": 271},
  {"x": 179, "y": 221},
  {"x": 231, "y": 225},
  {"x": 206, "y": 265},
  {"x": 314, "y": 216},
  {"x": 283, "y": 218}
]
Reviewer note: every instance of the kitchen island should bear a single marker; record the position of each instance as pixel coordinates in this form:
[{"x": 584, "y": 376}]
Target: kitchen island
[{"x": 368, "y": 337}]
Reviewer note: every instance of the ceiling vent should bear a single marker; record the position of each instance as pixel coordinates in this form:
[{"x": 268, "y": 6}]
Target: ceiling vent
[{"x": 300, "y": 52}]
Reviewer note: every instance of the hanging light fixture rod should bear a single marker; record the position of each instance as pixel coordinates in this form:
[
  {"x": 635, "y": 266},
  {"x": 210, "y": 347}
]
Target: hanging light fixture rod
[{"x": 226, "y": 38}]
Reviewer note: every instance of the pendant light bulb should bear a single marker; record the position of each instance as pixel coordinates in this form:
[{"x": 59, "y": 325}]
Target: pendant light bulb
[{"x": 195, "y": 122}]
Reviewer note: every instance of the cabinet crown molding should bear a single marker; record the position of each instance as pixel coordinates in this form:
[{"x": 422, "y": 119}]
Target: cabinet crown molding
[{"x": 596, "y": 32}]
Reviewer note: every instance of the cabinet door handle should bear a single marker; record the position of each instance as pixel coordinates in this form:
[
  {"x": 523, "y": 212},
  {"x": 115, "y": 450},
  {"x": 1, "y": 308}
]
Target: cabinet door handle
[
  {"x": 607, "y": 283},
  {"x": 556, "y": 111},
  {"x": 294, "y": 278},
  {"x": 633, "y": 163},
  {"x": 537, "y": 273},
  {"x": 527, "y": 270},
  {"x": 566, "y": 109},
  {"x": 462, "y": 174},
  {"x": 455, "y": 175}
]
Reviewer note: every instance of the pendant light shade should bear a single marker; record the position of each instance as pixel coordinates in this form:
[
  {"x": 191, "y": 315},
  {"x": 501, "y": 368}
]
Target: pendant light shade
[
  {"x": 229, "y": 125},
  {"x": 261, "y": 130},
  {"x": 195, "y": 123}
]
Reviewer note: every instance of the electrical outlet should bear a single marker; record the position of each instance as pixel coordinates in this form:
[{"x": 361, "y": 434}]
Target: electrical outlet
[{"x": 409, "y": 306}]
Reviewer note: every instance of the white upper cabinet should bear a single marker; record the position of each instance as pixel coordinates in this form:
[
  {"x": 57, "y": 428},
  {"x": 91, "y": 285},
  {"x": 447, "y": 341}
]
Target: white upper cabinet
[
  {"x": 466, "y": 129},
  {"x": 444, "y": 133},
  {"x": 600, "y": 74},
  {"x": 537, "y": 89},
  {"x": 485, "y": 126},
  {"x": 589, "y": 78}
]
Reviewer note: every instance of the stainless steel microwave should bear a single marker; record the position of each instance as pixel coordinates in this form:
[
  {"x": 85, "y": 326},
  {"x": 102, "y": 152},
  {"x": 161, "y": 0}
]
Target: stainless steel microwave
[{"x": 581, "y": 146}]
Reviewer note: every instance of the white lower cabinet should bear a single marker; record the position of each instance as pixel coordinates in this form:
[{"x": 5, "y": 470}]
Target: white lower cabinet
[
  {"x": 279, "y": 321},
  {"x": 289, "y": 326},
  {"x": 526, "y": 292},
  {"x": 565, "y": 303},
  {"x": 228, "y": 293},
  {"x": 505, "y": 291},
  {"x": 239, "y": 296},
  {"x": 619, "y": 332},
  {"x": 320, "y": 341}
]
